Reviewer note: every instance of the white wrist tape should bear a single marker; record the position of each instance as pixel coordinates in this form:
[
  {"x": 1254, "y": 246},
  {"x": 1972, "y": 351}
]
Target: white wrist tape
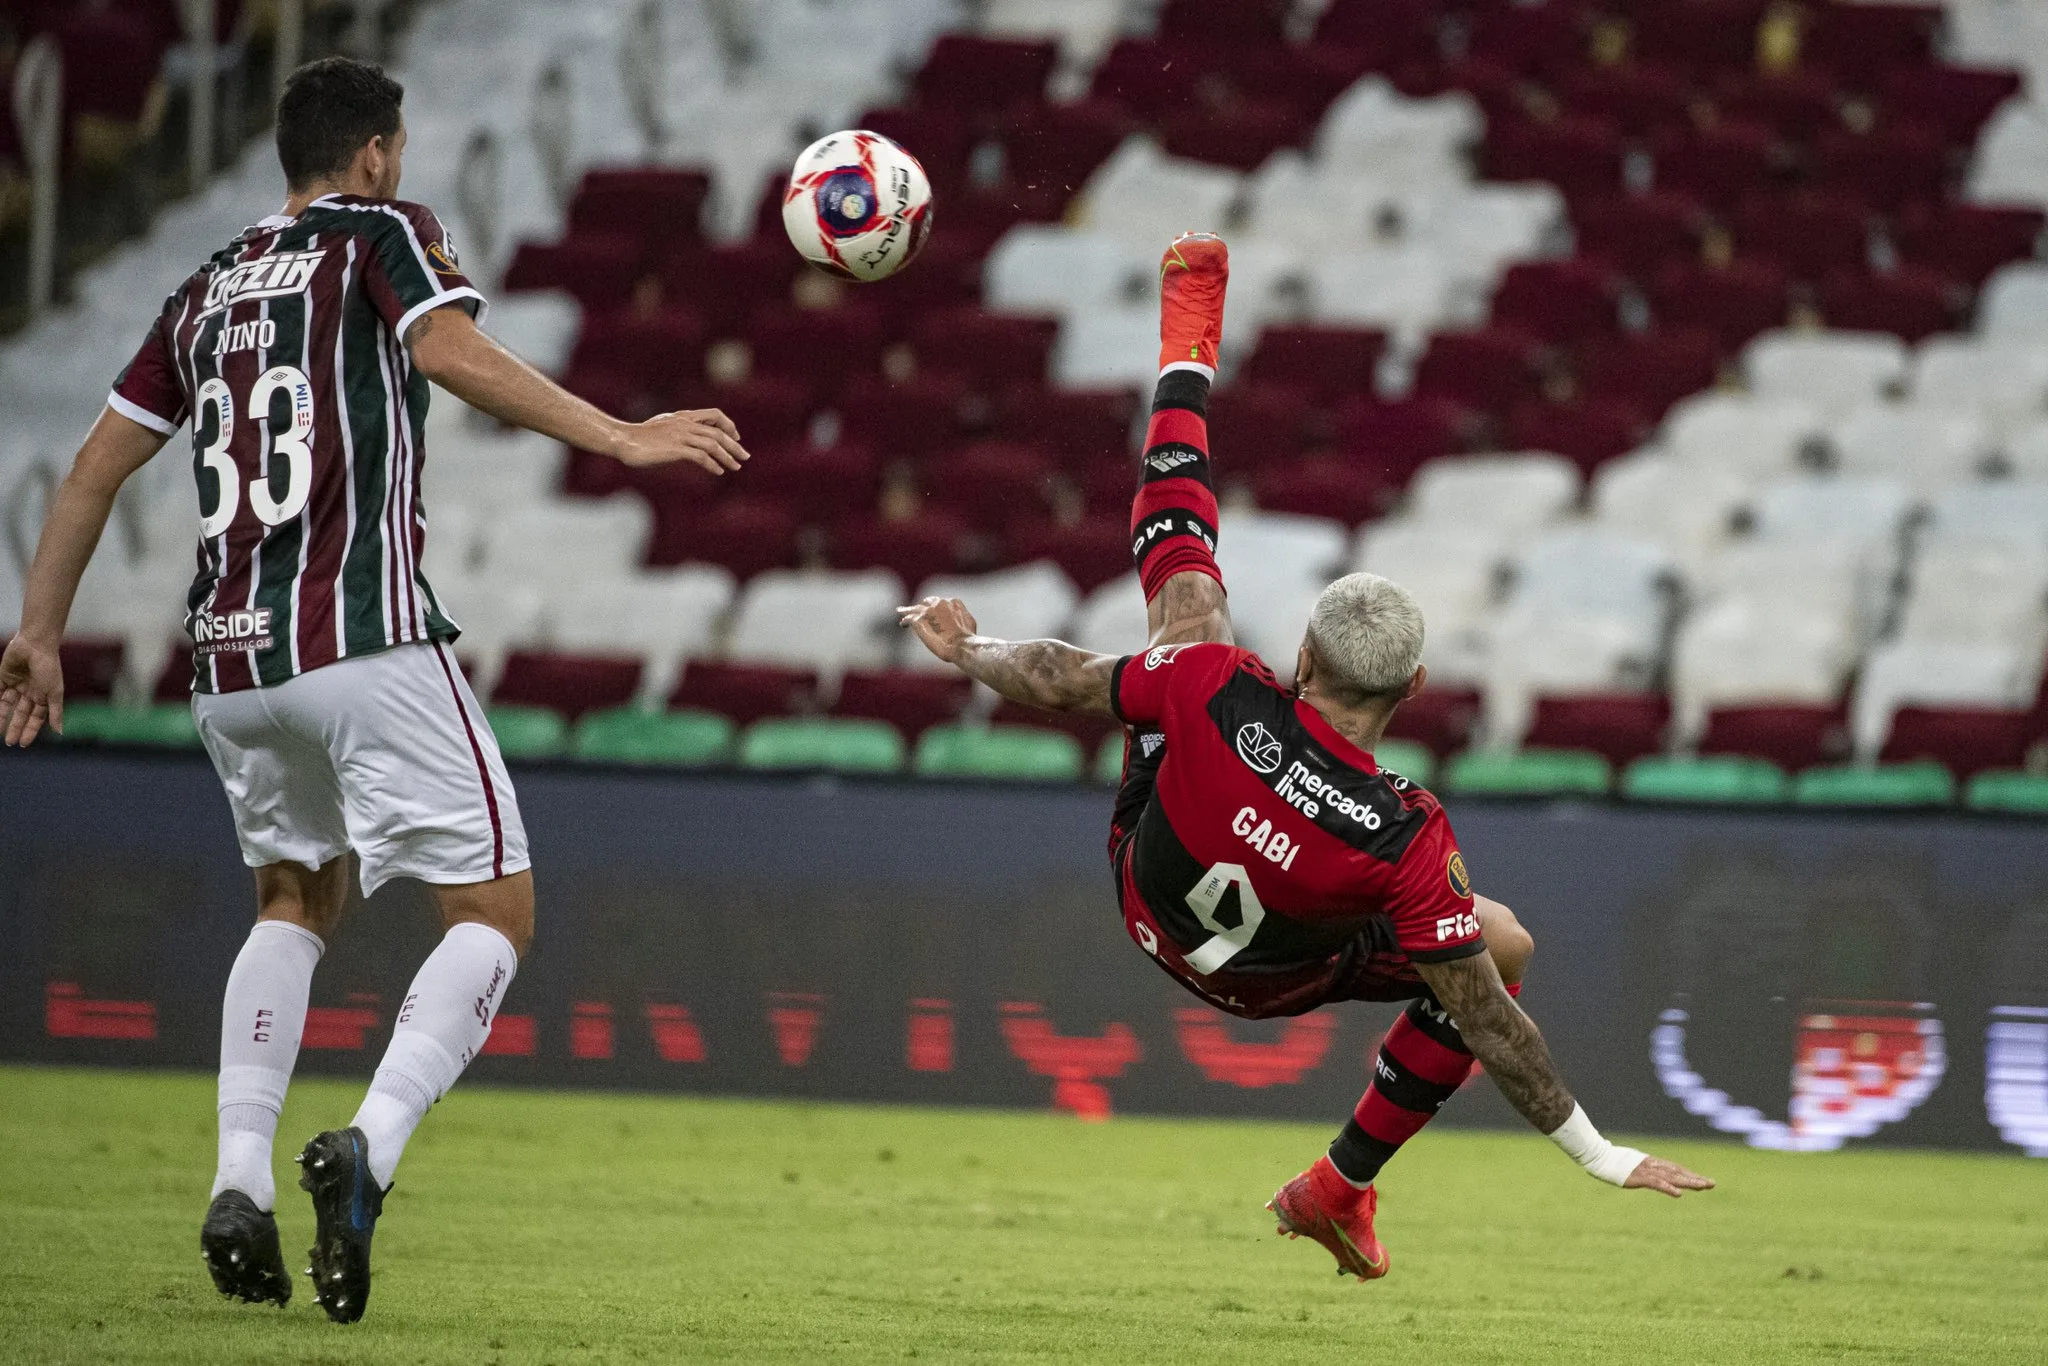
[{"x": 1584, "y": 1145}]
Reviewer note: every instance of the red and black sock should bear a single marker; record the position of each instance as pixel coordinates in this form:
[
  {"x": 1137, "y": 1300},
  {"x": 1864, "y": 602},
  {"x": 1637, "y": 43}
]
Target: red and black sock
[
  {"x": 1173, "y": 518},
  {"x": 1421, "y": 1064}
]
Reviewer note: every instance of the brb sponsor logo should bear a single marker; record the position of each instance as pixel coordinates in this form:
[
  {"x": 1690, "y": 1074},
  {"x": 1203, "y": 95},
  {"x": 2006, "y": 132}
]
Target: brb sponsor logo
[
  {"x": 1258, "y": 747},
  {"x": 224, "y": 632},
  {"x": 1463, "y": 925},
  {"x": 266, "y": 277}
]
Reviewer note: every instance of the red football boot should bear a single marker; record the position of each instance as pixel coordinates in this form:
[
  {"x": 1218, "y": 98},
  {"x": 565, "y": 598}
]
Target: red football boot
[
  {"x": 1322, "y": 1205},
  {"x": 1192, "y": 278}
]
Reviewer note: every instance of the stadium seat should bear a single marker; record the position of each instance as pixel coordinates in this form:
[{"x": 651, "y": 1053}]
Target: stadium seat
[
  {"x": 1580, "y": 154},
  {"x": 2008, "y": 790},
  {"x": 1400, "y": 434},
  {"x": 1407, "y": 758},
  {"x": 1588, "y": 432},
  {"x": 1635, "y": 234},
  {"x": 1885, "y": 167},
  {"x": 2005, "y": 381},
  {"x": 1792, "y": 736},
  {"x": 976, "y": 75},
  {"x": 563, "y": 542},
  {"x": 1441, "y": 720},
  {"x": 1090, "y": 551},
  {"x": 1741, "y": 432},
  {"x": 1114, "y": 347},
  {"x": 1837, "y": 370},
  {"x": 821, "y": 619},
  {"x": 567, "y": 684},
  {"x": 1256, "y": 427},
  {"x": 628, "y": 735},
  {"x": 744, "y": 692},
  {"x": 1486, "y": 369},
  {"x": 1047, "y": 268},
  {"x": 934, "y": 541},
  {"x": 913, "y": 702},
  {"x": 1332, "y": 486},
  {"x": 1144, "y": 197},
  {"x": 1795, "y": 105},
  {"x": 659, "y": 615},
  {"x": 817, "y": 484},
  {"x": 1324, "y": 364},
  {"x": 1027, "y": 602},
  {"x": 527, "y": 732},
  {"x": 1997, "y": 674},
  {"x": 990, "y": 484},
  {"x": 2014, "y": 303},
  {"x": 1912, "y": 302},
  {"x": 1619, "y": 726},
  {"x": 998, "y": 752},
  {"x": 1967, "y": 242},
  {"x": 746, "y": 535},
  {"x": 1722, "y": 778},
  {"x": 1529, "y": 772},
  {"x": 1718, "y": 164},
  {"x": 1650, "y": 370},
  {"x": 1922, "y": 445},
  {"x": 1503, "y": 493},
  {"x": 1685, "y": 507},
  {"x": 1863, "y": 512},
  {"x": 992, "y": 350},
  {"x": 910, "y": 417},
  {"x": 161, "y": 726},
  {"x": 1751, "y": 652},
  {"x": 2003, "y": 510},
  {"x": 1111, "y": 619},
  {"x": 1811, "y": 233},
  {"x": 1454, "y": 571},
  {"x": 1915, "y": 784},
  {"x": 1640, "y": 98},
  {"x": 1058, "y": 146},
  {"x": 1957, "y": 100},
  {"x": 1405, "y": 291},
  {"x": 1964, "y": 740},
  {"x": 822, "y": 349},
  {"x": 830, "y": 743},
  {"x": 1734, "y": 302},
  {"x": 1978, "y": 590},
  {"x": 1109, "y": 761},
  {"x": 539, "y": 326},
  {"x": 1560, "y": 302}
]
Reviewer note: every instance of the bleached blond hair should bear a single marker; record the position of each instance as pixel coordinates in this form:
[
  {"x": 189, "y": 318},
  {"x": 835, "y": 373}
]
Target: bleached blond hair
[{"x": 1366, "y": 632}]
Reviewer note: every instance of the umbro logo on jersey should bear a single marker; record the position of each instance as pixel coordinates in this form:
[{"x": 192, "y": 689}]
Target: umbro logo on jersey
[
  {"x": 266, "y": 277},
  {"x": 1258, "y": 747}
]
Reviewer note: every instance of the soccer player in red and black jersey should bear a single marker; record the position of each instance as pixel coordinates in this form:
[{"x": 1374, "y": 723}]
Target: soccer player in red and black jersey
[
  {"x": 1261, "y": 858},
  {"x": 300, "y": 356}
]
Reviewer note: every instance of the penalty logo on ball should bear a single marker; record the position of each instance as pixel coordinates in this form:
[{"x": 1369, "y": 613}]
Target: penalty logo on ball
[{"x": 858, "y": 205}]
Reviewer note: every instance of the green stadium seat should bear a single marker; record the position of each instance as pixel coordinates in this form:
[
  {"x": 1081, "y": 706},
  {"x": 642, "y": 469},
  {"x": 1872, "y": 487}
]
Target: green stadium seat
[
  {"x": 167, "y": 725},
  {"x": 1109, "y": 761},
  {"x": 831, "y": 742},
  {"x": 999, "y": 752},
  {"x": 1530, "y": 772},
  {"x": 1917, "y": 784},
  {"x": 629, "y": 735},
  {"x": 1710, "y": 778},
  {"x": 527, "y": 732},
  {"x": 2008, "y": 789},
  {"x": 1405, "y": 757}
]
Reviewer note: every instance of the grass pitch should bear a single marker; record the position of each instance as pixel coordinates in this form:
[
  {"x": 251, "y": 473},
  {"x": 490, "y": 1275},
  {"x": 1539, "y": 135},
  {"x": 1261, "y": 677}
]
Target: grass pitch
[{"x": 550, "y": 1227}]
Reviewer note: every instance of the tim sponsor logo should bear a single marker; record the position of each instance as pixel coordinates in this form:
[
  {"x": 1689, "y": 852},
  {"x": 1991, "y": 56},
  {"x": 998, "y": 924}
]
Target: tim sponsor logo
[
  {"x": 266, "y": 277},
  {"x": 224, "y": 632}
]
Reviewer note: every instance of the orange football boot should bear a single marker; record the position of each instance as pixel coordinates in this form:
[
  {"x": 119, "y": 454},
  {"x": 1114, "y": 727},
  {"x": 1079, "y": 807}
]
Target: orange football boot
[
  {"x": 1192, "y": 278},
  {"x": 1322, "y": 1205}
]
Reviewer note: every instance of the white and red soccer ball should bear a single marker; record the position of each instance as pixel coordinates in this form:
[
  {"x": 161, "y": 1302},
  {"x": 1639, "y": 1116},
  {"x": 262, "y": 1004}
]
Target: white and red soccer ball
[{"x": 858, "y": 205}]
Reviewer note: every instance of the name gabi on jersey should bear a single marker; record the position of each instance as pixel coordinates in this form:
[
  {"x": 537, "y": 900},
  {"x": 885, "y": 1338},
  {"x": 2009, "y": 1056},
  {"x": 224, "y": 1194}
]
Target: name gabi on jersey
[
  {"x": 1277, "y": 845},
  {"x": 1309, "y": 794},
  {"x": 266, "y": 277},
  {"x": 221, "y": 632}
]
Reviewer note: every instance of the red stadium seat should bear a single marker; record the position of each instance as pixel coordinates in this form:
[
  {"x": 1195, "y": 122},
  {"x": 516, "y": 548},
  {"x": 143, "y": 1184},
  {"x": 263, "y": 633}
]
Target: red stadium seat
[
  {"x": 1586, "y": 431},
  {"x": 1440, "y": 719},
  {"x": 976, "y": 75},
  {"x": 1794, "y": 105},
  {"x": 1225, "y": 23},
  {"x": 1651, "y": 370},
  {"x": 768, "y": 410},
  {"x": 1860, "y": 44},
  {"x": 826, "y": 347},
  {"x": 911, "y": 700},
  {"x": 1539, "y": 42},
  {"x": 1911, "y": 302},
  {"x": 933, "y": 542},
  {"x": 991, "y": 350},
  {"x": 1386, "y": 33},
  {"x": 1622, "y": 726},
  {"x": 92, "y": 666},
  {"x": 1149, "y": 78},
  {"x": 746, "y": 535},
  {"x": 1325, "y": 364},
  {"x": 1790, "y": 736},
  {"x": 600, "y": 269},
  {"x": 727, "y": 283},
  {"x": 1701, "y": 36},
  {"x": 819, "y": 484},
  {"x": 1717, "y": 165},
  {"x": 909, "y": 417},
  {"x": 1955, "y": 99},
  {"x": 1489, "y": 369},
  {"x": 1058, "y": 146},
  {"x": 1562, "y": 302},
  {"x": 654, "y": 203},
  {"x": 1106, "y": 488},
  {"x": 1253, "y": 426},
  {"x": 1967, "y": 739},
  {"x": 1086, "y": 428},
  {"x": 662, "y": 352},
  {"x": 941, "y": 137},
  {"x": 1239, "y": 136},
  {"x": 1901, "y": 163},
  {"x": 1734, "y": 302},
  {"x": 569, "y": 684},
  {"x": 1308, "y": 78},
  {"x": 1968, "y": 241},
  {"x": 1091, "y": 551},
  {"x": 744, "y": 692},
  {"x": 1638, "y": 233},
  {"x": 1638, "y": 98},
  {"x": 1346, "y": 488},
  {"x": 1579, "y": 155},
  {"x": 1402, "y": 433},
  {"x": 1812, "y": 233},
  {"x": 992, "y": 482}
]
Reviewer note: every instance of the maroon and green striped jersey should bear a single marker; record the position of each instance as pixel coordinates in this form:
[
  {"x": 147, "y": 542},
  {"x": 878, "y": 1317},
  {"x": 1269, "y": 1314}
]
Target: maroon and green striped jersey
[{"x": 285, "y": 353}]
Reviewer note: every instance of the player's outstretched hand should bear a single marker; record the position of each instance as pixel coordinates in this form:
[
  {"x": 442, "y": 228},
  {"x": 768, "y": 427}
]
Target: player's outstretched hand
[
  {"x": 1655, "y": 1174},
  {"x": 31, "y": 691},
  {"x": 702, "y": 436},
  {"x": 943, "y": 624}
]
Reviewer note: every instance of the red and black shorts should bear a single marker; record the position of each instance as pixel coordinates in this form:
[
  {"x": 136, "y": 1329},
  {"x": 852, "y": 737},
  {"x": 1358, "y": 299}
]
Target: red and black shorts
[{"x": 1370, "y": 967}]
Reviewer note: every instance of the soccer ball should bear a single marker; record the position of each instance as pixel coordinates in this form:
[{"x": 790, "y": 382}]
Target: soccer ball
[{"x": 858, "y": 205}]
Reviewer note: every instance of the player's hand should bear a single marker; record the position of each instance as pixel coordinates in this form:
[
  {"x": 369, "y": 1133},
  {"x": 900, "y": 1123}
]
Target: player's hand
[
  {"x": 943, "y": 624},
  {"x": 702, "y": 436},
  {"x": 31, "y": 691},
  {"x": 1655, "y": 1174}
]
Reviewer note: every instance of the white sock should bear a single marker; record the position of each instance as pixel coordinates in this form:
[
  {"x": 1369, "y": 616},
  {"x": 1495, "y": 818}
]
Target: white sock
[
  {"x": 261, "y": 1018},
  {"x": 444, "y": 1021}
]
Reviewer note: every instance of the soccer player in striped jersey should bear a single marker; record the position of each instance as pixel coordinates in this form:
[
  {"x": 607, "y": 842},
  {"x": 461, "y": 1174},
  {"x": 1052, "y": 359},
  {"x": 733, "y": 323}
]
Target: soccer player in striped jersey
[{"x": 300, "y": 356}]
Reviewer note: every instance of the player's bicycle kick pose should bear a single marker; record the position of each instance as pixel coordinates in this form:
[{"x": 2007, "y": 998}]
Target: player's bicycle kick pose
[{"x": 1261, "y": 858}]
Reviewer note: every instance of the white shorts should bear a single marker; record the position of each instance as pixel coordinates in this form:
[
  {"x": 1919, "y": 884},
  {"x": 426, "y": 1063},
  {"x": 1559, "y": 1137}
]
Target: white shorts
[{"x": 387, "y": 754}]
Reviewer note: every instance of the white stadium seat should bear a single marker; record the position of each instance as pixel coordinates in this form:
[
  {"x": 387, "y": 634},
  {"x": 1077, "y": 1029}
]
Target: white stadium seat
[
  {"x": 1863, "y": 512},
  {"x": 1757, "y": 650},
  {"x": 539, "y": 326},
  {"x": 2005, "y": 381},
  {"x": 1147, "y": 198},
  {"x": 2014, "y": 303},
  {"x": 1406, "y": 289},
  {"x": 487, "y": 469},
  {"x": 1743, "y": 432},
  {"x": 1836, "y": 370},
  {"x": 495, "y": 617},
  {"x": 826, "y": 619},
  {"x": 1108, "y": 348},
  {"x": 1975, "y": 590},
  {"x": 1686, "y": 507},
  {"x": 1373, "y": 128},
  {"x": 1252, "y": 545},
  {"x": 2024, "y": 453},
  {"x": 1029, "y": 602},
  {"x": 1922, "y": 445},
  {"x": 1455, "y": 573},
  {"x": 1112, "y": 620},
  {"x": 1533, "y": 653},
  {"x": 1903, "y": 673},
  {"x": 1505, "y": 493},
  {"x": 563, "y": 541},
  {"x": 1999, "y": 510},
  {"x": 662, "y": 615},
  {"x": 1046, "y": 268}
]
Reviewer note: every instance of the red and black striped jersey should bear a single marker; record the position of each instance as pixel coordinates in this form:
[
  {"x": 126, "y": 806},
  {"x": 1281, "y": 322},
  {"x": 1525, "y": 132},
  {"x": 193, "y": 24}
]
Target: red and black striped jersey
[
  {"x": 285, "y": 353},
  {"x": 1271, "y": 839}
]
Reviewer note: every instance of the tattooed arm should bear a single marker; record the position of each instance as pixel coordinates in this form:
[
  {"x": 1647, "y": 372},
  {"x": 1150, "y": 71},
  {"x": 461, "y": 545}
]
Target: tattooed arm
[
  {"x": 1512, "y": 1049},
  {"x": 1044, "y": 673}
]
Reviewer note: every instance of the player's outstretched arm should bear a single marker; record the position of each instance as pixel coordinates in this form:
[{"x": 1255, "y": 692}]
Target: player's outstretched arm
[
  {"x": 31, "y": 681},
  {"x": 451, "y": 350},
  {"x": 1507, "y": 1041},
  {"x": 1044, "y": 673}
]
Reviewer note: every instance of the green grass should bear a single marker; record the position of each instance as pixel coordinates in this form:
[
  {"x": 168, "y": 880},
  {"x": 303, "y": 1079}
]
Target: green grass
[{"x": 550, "y": 1227}]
